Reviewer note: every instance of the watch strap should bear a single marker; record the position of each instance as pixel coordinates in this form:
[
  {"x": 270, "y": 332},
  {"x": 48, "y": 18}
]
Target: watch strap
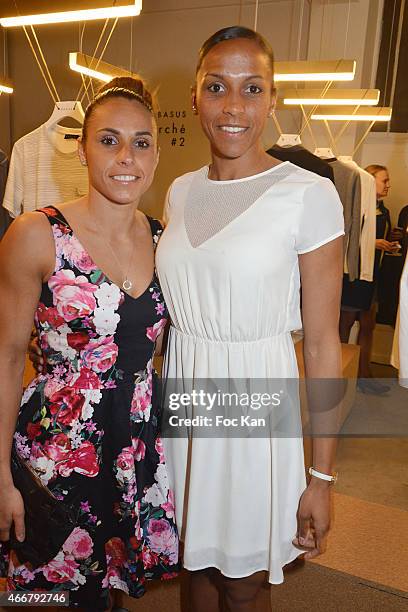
[{"x": 328, "y": 477}]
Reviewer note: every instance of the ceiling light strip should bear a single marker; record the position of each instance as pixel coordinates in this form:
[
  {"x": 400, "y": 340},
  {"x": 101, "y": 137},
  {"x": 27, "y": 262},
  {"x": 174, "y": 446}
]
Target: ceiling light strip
[
  {"x": 68, "y": 16},
  {"x": 6, "y": 89},
  {"x": 96, "y": 69},
  {"x": 343, "y": 114},
  {"x": 337, "y": 70},
  {"x": 345, "y": 97}
]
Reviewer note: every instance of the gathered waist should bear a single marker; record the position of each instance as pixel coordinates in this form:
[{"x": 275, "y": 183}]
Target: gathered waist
[
  {"x": 212, "y": 341},
  {"x": 128, "y": 379}
]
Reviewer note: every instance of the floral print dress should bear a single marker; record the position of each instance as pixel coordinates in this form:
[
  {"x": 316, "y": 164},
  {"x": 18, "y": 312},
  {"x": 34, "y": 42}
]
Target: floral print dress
[{"x": 89, "y": 427}]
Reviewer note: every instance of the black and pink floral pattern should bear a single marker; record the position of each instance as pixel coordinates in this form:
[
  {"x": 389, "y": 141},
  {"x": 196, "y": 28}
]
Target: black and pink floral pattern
[{"x": 89, "y": 427}]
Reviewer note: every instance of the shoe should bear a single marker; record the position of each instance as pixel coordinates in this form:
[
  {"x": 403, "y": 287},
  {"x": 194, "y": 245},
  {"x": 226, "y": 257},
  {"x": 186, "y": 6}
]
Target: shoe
[{"x": 371, "y": 386}]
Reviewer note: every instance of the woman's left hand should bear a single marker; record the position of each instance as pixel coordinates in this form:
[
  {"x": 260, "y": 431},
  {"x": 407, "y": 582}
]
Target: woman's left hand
[{"x": 313, "y": 518}]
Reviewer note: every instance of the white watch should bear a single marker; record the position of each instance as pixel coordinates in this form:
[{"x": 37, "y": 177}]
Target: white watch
[{"x": 329, "y": 478}]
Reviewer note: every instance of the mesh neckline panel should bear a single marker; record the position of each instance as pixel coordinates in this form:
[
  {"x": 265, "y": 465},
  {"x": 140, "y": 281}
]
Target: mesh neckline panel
[{"x": 212, "y": 205}]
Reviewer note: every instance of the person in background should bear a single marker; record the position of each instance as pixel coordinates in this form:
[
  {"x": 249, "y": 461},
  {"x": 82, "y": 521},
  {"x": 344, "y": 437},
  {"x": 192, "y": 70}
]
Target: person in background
[
  {"x": 403, "y": 226},
  {"x": 358, "y": 301},
  {"x": 403, "y": 218},
  {"x": 390, "y": 273}
]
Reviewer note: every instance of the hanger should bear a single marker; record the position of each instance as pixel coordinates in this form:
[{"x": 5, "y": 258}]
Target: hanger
[
  {"x": 64, "y": 110},
  {"x": 288, "y": 140},
  {"x": 324, "y": 153}
]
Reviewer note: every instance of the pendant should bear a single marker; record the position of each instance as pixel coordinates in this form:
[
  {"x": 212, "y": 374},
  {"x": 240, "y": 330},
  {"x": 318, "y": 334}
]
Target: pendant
[{"x": 127, "y": 285}]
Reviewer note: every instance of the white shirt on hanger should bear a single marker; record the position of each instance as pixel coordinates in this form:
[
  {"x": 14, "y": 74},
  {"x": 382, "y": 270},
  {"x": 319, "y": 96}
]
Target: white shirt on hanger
[
  {"x": 44, "y": 170},
  {"x": 399, "y": 355},
  {"x": 368, "y": 220}
]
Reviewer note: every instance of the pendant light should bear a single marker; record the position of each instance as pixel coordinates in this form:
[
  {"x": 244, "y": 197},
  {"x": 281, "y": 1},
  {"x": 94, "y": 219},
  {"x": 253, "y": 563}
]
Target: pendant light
[
  {"x": 92, "y": 67},
  {"x": 5, "y": 88},
  {"x": 334, "y": 97},
  {"x": 339, "y": 113},
  {"x": 337, "y": 70},
  {"x": 131, "y": 9}
]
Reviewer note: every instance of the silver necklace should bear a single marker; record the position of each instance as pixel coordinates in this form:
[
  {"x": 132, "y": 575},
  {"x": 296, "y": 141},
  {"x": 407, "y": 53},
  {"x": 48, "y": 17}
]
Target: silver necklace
[{"x": 127, "y": 283}]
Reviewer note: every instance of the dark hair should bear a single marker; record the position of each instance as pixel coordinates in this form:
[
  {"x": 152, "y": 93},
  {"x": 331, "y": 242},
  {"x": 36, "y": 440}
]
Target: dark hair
[
  {"x": 375, "y": 169},
  {"x": 132, "y": 88},
  {"x": 232, "y": 33}
]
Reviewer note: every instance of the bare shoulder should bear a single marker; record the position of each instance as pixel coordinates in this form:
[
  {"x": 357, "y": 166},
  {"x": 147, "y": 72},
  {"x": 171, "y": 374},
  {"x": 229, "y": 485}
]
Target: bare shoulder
[
  {"x": 29, "y": 242},
  {"x": 30, "y": 224}
]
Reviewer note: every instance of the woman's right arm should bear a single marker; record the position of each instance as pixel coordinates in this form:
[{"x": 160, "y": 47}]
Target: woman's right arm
[{"x": 26, "y": 258}]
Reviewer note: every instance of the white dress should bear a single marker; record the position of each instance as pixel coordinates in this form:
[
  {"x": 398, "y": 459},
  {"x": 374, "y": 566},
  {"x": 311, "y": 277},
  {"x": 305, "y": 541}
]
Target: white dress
[{"x": 234, "y": 299}]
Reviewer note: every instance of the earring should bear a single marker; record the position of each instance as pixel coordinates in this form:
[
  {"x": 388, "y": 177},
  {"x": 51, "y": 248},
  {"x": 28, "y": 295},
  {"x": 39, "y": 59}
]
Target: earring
[
  {"x": 194, "y": 109},
  {"x": 83, "y": 162}
]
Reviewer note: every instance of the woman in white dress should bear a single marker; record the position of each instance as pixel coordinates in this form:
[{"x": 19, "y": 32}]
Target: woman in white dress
[{"x": 242, "y": 233}]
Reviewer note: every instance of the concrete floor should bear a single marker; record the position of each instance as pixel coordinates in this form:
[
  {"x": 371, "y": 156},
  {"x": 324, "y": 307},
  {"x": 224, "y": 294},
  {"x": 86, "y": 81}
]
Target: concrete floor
[{"x": 375, "y": 470}]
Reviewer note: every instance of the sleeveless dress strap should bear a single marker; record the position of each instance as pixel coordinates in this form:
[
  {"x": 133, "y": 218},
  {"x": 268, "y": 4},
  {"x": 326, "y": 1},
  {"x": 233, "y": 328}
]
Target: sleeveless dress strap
[
  {"x": 54, "y": 216},
  {"x": 156, "y": 229}
]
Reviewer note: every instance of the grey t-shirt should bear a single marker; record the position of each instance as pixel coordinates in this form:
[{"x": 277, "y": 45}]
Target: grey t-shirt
[{"x": 348, "y": 184}]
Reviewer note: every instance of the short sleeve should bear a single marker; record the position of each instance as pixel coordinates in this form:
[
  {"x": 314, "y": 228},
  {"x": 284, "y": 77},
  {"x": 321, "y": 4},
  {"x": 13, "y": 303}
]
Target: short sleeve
[{"x": 321, "y": 218}]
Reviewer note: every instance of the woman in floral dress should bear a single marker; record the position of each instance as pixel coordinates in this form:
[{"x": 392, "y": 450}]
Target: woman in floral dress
[{"x": 88, "y": 424}]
